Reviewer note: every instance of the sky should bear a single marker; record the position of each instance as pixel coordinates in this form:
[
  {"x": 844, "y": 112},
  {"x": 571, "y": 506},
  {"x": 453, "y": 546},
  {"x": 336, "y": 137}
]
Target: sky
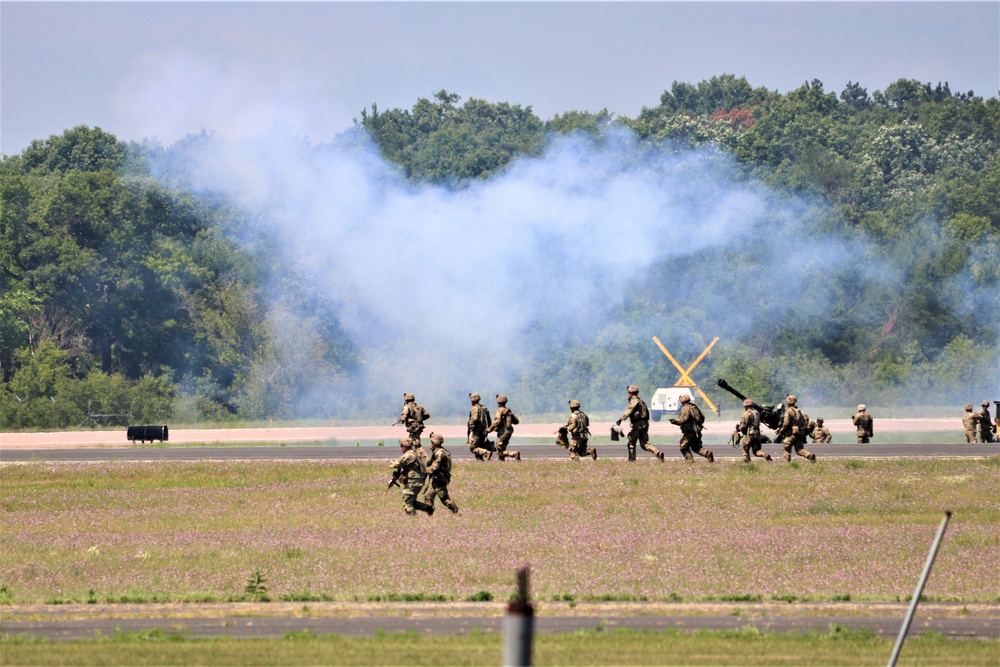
[{"x": 163, "y": 70}]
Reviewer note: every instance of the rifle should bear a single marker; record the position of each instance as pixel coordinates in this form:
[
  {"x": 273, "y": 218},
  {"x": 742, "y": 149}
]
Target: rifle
[
  {"x": 770, "y": 415},
  {"x": 394, "y": 481}
]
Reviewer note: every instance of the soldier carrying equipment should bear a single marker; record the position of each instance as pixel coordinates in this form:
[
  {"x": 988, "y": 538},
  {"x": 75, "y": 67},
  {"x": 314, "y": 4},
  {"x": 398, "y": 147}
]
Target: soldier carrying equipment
[{"x": 770, "y": 415}]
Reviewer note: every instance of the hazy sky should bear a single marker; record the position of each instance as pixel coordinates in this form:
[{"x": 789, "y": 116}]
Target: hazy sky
[{"x": 167, "y": 69}]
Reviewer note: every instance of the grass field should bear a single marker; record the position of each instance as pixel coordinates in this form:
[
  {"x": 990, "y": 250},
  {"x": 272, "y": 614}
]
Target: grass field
[
  {"x": 606, "y": 530},
  {"x": 622, "y": 647}
]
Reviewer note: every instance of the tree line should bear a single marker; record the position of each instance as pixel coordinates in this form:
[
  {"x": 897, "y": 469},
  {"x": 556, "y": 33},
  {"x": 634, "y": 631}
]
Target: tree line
[{"x": 121, "y": 290}]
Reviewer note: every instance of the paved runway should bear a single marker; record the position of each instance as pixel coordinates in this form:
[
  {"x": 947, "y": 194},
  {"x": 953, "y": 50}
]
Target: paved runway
[
  {"x": 460, "y": 451},
  {"x": 277, "y": 627}
]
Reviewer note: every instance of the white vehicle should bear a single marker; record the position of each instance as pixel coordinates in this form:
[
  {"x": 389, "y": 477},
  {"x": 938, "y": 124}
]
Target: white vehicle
[{"x": 667, "y": 400}]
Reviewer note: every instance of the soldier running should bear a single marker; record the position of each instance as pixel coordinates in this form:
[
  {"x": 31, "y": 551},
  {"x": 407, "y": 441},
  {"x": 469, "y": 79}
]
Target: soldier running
[
  {"x": 479, "y": 423},
  {"x": 637, "y": 412},
  {"x": 439, "y": 471},
  {"x": 413, "y": 474},
  {"x": 791, "y": 431},
  {"x": 503, "y": 423},
  {"x": 691, "y": 420},
  {"x": 749, "y": 426},
  {"x": 412, "y": 418}
]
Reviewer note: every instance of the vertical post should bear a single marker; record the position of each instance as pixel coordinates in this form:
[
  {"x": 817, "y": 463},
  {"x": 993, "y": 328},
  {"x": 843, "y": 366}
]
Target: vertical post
[
  {"x": 519, "y": 626},
  {"x": 920, "y": 589}
]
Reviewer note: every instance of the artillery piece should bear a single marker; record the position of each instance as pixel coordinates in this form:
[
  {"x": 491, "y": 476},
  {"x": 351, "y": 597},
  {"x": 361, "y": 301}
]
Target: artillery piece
[{"x": 770, "y": 415}]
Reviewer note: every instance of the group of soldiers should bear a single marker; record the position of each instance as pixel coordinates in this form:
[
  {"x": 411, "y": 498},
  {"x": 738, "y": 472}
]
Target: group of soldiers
[
  {"x": 979, "y": 426},
  {"x": 419, "y": 473}
]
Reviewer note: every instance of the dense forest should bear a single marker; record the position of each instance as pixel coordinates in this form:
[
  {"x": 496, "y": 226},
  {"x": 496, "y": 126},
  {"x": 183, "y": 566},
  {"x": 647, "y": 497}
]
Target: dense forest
[{"x": 128, "y": 286}]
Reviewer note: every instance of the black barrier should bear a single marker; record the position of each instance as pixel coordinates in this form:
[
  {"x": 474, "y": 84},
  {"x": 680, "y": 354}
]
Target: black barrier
[{"x": 144, "y": 433}]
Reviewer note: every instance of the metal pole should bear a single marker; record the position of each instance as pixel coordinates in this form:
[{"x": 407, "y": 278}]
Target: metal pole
[
  {"x": 920, "y": 589},
  {"x": 519, "y": 626}
]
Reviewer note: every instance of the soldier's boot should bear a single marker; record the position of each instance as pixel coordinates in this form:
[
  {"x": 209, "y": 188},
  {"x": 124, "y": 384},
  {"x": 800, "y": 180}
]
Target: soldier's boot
[
  {"x": 711, "y": 457},
  {"x": 574, "y": 456},
  {"x": 660, "y": 456},
  {"x": 593, "y": 453},
  {"x": 787, "y": 457},
  {"x": 516, "y": 456},
  {"x": 811, "y": 456},
  {"x": 767, "y": 457},
  {"x": 450, "y": 504},
  {"x": 746, "y": 458},
  {"x": 688, "y": 456},
  {"x": 501, "y": 455},
  {"x": 631, "y": 453}
]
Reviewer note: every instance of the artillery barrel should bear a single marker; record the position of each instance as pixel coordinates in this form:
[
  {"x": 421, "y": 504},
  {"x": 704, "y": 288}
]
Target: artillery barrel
[{"x": 725, "y": 385}]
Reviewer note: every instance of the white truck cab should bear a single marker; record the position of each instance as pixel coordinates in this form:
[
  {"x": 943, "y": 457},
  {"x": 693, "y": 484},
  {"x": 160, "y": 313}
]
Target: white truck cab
[{"x": 667, "y": 400}]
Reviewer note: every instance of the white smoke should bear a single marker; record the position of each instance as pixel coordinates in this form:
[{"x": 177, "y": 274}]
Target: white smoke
[{"x": 438, "y": 284}]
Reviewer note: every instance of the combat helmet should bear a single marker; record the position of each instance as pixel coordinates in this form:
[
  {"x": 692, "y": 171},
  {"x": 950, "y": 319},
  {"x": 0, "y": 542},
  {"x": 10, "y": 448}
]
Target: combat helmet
[
  {"x": 791, "y": 400},
  {"x": 409, "y": 397},
  {"x": 985, "y": 404},
  {"x": 632, "y": 389},
  {"x": 684, "y": 398},
  {"x": 968, "y": 407},
  {"x": 474, "y": 397},
  {"x": 501, "y": 399},
  {"x": 574, "y": 404},
  {"x": 747, "y": 403},
  {"x": 862, "y": 408},
  {"x": 437, "y": 439}
]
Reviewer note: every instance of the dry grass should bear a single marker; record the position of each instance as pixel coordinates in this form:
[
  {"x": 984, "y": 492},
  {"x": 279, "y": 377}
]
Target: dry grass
[{"x": 836, "y": 530}]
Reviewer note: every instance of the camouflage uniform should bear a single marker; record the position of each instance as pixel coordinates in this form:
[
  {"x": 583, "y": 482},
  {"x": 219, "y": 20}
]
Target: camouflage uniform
[
  {"x": 412, "y": 418},
  {"x": 503, "y": 423},
  {"x": 637, "y": 413},
  {"x": 479, "y": 422},
  {"x": 578, "y": 428},
  {"x": 985, "y": 423},
  {"x": 791, "y": 431},
  {"x": 414, "y": 474},
  {"x": 820, "y": 433},
  {"x": 970, "y": 420},
  {"x": 690, "y": 420},
  {"x": 439, "y": 471},
  {"x": 749, "y": 426},
  {"x": 864, "y": 423}
]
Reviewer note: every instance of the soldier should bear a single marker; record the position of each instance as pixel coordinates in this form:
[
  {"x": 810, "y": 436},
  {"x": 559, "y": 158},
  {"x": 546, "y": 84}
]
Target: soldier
[
  {"x": 412, "y": 418},
  {"x": 413, "y": 474},
  {"x": 820, "y": 433},
  {"x": 503, "y": 423},
  {"x": 691, "y": 420},
  {"x": 985, "y": 423},
  {"x": 479, "y": 422},
  {"x": 749, "y": 426},
  {"x": 578, "y": 428},
  {"x": 864, "y": 423},
  {"x": 791, "y": 431},
  {"x": 439, "y": 471},
  {"x": 970, "y": 420},
  {"x": 637, "y": 413}
]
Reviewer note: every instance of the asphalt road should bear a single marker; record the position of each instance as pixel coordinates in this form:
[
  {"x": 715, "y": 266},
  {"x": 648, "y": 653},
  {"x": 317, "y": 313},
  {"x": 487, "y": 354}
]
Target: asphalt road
[
  {"x": 277, "y": 627},
  {"x": 460, "y": 451}
]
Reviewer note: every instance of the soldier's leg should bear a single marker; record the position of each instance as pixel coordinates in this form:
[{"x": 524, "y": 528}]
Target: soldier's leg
[
  {"x": 644, "y": 443},
  {"x": 632, "y": 436},
  {"x": 805, "y": 453},
  {"x": 747, "y": 448},
  {"x": 409, "y": 500},
  {"x": 970, "y": 436},
  {"x": 574, "y": 450},
  {"x": 686, "y": 448},
  {"x": 787, "y": 444},
  {"x": 430, "y": 494},
  {"x": 415, "y": 489},
  {"x": 441, "y": 490},
  {"x": 502, "y": 442},
  {"x": 700, "y": 448}
]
